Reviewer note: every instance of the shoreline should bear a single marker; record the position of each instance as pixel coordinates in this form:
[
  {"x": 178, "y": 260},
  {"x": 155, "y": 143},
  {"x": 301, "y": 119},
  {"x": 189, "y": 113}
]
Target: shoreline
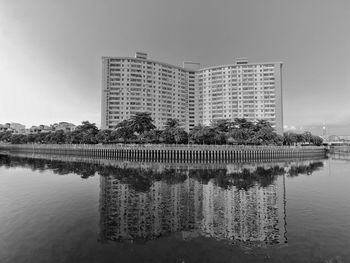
[{"x": 172, "y": 153}]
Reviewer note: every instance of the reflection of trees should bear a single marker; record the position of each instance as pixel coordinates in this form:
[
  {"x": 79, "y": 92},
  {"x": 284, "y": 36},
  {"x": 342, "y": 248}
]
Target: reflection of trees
[
  {"x": 142, "y": 178},
  {"x": 261, "y": 176},
  {"x": 242, "y": 180},
  {"x": 85, "y": 170},
  {"x": 304, "y": 169},
  {"x": 204, "y": 176}
]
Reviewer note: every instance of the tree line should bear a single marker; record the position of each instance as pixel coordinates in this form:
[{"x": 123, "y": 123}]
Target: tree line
[
  {"x": 141, "y": 179},
  {"x": 140, "y": 129}
]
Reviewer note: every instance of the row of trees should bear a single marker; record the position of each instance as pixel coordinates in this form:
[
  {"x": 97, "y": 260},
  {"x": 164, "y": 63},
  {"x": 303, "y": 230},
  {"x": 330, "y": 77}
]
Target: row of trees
[
  {"x": 291, "y": 138},
  {"x": 140, "y": 129},
  {"x": 142, "y": 178}
]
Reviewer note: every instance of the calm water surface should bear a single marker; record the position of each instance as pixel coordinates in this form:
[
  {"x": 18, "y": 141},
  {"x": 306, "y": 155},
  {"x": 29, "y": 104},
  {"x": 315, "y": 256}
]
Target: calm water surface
[{"x": 65, "y": 209}]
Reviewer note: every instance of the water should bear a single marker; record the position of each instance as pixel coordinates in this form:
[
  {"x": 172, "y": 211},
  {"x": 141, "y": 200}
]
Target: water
[{"x": 65, "y": 209}]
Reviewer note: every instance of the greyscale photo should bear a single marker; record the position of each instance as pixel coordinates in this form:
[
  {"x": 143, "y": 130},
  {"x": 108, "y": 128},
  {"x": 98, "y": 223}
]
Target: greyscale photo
[{"x": 174, "y": 131}]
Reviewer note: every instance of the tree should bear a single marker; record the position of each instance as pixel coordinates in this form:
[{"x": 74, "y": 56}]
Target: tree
[
  {"x": 316, "y": 140},
  {"x": 103, "y": 136},
  {"x": 242, "y": 131},
  {"x": 141, "y": 122},
  {"x": 124, "y": 123},
  {"x": 18, "y": 139},
  {"x": 222, "y": 125},
  {"x": 180, "y": 136},
  {"x": 84, "y": 133},
  {"x": 123, "y": 134},
  {"x": 173, "y": 133},
  {"x": 307, "y": 137},
  {"x": 300, "y": 137},
  {"x": 263, "y": 124},
  {"x": 238, "y": 136},
  {"x": 290, "y": 138},
  {"x": 202, "y": 135},
  {"x": 5, "y": 136},
  {"x": 172, "y": 123},
  {"x": 242, "y": 123},
  {"x": 152, "y": 136},
  {"x": 264, "y": 134},
  {"x": 220, "y": 130},
  {"x": 40, "y": 138},
  {"x": 57, "y": 137}
]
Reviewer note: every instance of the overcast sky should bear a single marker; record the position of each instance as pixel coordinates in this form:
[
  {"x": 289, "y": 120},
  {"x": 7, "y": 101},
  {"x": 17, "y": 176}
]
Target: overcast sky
[{"x": 50, "y": 51}]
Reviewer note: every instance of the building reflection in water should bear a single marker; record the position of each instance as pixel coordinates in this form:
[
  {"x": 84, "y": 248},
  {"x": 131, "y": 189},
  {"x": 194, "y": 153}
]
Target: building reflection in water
[
  {"x": 195, "y": 207},
  {"x": 243, "y": 203},
  {"x": 198, "y": 209}
]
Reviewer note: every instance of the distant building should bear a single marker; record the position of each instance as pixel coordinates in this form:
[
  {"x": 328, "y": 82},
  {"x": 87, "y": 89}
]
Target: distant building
[
  {"x": 13, "y": 127},
  {"x": 21, "y": 129},
  {"x": 64, "y": 126},
  {"x": 345, "y": 138},
  {"x": 40, "y": 129},
  {"x": 3, "y": 128},
  {"x": 191, "y": 94},
  {"x": 339, "y": 138}
]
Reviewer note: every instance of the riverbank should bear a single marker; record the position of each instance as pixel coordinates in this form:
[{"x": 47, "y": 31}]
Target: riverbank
[
  {"x": 339, "y": 149},
  {"x": 176, "y": 153}
]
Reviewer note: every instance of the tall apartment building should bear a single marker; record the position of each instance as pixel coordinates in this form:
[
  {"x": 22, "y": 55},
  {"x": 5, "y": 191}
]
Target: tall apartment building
[
  {"x": 242, "y": 90},
  {"x": 191, "y": 94},
  {"x": 132, "y": 85}
]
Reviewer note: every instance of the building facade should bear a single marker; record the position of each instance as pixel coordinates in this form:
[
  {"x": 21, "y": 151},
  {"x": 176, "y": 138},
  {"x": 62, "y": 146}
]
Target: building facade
[
  {"x": 13, "y": 127},
  {"x": 64, "y": 126},
  {"x": 191, "y": 94}
]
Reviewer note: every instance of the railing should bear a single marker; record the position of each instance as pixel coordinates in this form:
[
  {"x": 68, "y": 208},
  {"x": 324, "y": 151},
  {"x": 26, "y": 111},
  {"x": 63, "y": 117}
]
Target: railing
[{"x": 158, "y": 146}]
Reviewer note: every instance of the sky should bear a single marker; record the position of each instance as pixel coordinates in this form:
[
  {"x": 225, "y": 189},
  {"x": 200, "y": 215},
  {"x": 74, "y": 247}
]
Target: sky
[{"x": 50, "y": 51}]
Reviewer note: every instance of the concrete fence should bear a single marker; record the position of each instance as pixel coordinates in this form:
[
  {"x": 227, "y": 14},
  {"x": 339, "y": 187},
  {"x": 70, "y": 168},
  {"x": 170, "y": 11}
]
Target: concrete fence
[{"x": 172, "y": 153}]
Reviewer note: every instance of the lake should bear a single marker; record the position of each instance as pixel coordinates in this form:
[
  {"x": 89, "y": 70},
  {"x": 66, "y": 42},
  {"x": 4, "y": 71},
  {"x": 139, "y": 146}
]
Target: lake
[{"x": 69, "y": 209}]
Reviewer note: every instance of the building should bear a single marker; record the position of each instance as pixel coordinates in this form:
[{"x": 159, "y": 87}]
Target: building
[
  {"x": 21, "y": 129},
  {"x": 64, "y": 126},
  {"x": 40, "y": 129},
  {"x": 242, "y": 90},
  {"x": 131, "y": 85},
  {"x": 189, "y": 93},
  {"x": 13, "y": 127},
  {"x": 3, "y": 128}
]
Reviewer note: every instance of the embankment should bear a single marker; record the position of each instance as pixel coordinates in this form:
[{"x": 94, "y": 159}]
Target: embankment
[{"x": 172, "y": 153}]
